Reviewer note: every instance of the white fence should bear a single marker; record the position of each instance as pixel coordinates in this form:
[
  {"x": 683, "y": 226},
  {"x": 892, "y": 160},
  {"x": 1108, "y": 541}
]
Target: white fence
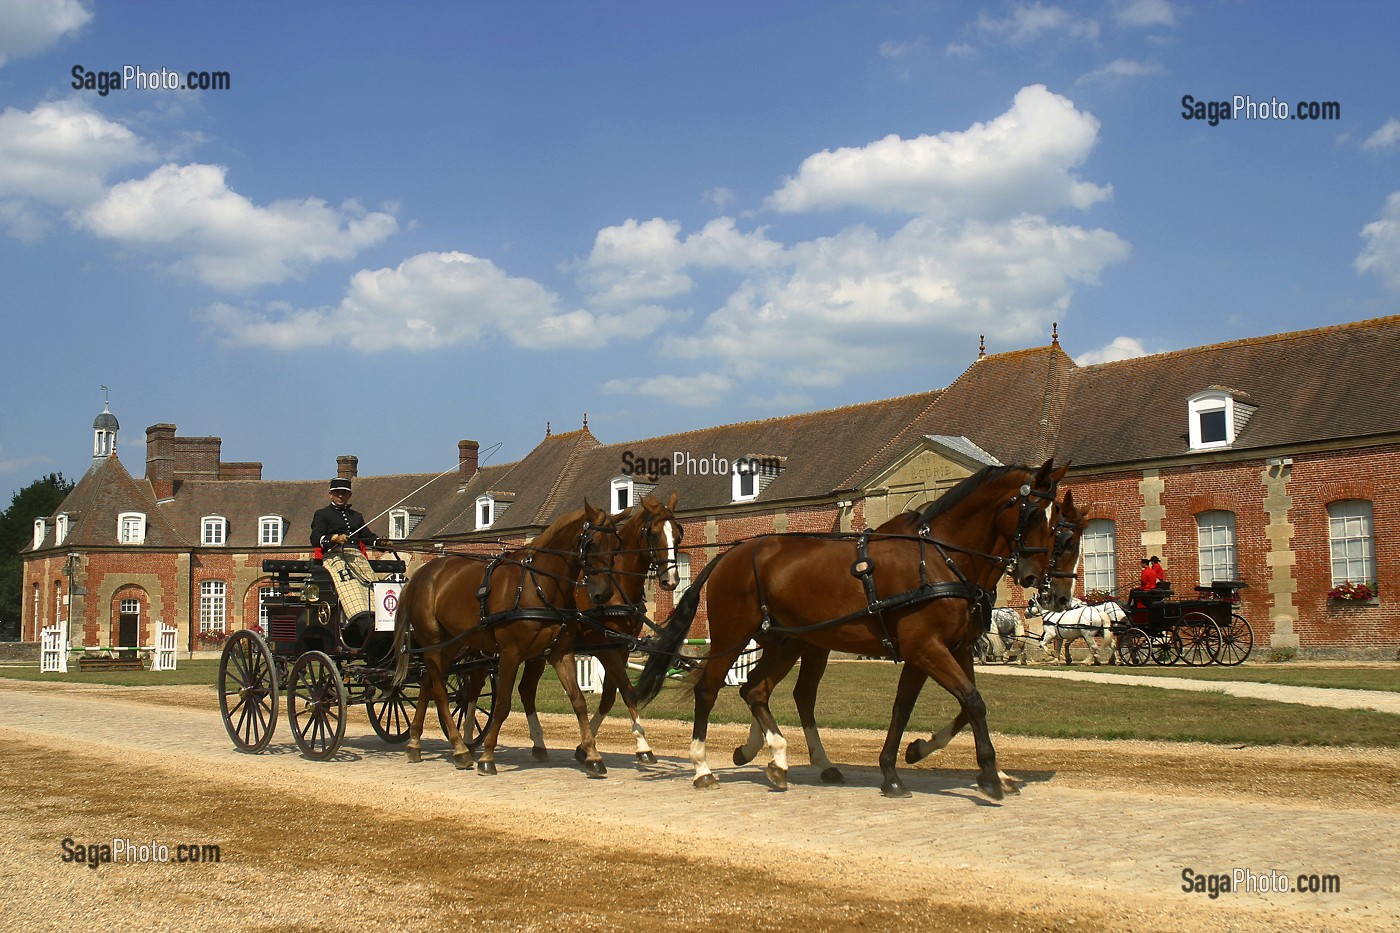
[
  {"x": 743, "y": 664},
  {"x": 589, "y": 671},
  {"x": 163, "y": 657},
  {"x": 53, "y": 651}
]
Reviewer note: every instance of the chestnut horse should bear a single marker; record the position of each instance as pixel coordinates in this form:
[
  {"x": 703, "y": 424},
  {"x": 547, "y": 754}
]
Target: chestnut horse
[
  {"x": 518, "y": 606},
  {"x": 649, "y": 537},
  {"x": 909, "y": 594},
  {"x": 780, "y": 654}
]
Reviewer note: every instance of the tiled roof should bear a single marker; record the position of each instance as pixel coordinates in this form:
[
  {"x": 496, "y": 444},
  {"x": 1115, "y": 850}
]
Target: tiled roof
[
  {"x": 1315, "y": 385},
  {"x": 105, "y": 491}
]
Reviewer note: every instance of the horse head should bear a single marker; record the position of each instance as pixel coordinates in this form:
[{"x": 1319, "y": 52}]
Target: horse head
[
  {"x": 661, "y": 539},
  {"x": 1032, "y": 536},
  {"x": 1067, "y": 526},
  {"x": 595, "y": 553}
]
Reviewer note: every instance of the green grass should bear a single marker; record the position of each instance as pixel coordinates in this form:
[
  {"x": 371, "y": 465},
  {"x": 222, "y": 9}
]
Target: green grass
[
  {"x": 858, "y": 695},
  {"x": 203, "y": 671},
  {"x": 1289, "y": 675}
]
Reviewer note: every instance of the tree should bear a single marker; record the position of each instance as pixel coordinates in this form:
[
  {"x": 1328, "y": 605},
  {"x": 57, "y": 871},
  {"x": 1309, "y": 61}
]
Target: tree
[{"x": 38, "y": 499}]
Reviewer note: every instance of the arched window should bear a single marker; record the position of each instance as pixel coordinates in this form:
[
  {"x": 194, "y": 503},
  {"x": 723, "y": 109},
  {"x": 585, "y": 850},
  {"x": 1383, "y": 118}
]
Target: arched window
[
  {"x": 213, "y": 531},
  {"x": 270, "y": 530},
  {"x": 1215, "y": 547},
  {"x": 131, "y": 528},
  {"x": 1211, "y": 415}
]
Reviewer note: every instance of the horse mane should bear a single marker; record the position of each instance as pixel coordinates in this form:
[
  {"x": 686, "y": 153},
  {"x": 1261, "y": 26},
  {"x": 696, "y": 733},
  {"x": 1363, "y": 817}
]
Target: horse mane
[
  {"x": 962, "y": 490},
  {"x": 564, "y": 529}
]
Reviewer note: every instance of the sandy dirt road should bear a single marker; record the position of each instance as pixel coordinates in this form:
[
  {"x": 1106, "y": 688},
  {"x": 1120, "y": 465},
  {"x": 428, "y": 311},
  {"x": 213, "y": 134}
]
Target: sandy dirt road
[{"x": 1098, "y": 838}]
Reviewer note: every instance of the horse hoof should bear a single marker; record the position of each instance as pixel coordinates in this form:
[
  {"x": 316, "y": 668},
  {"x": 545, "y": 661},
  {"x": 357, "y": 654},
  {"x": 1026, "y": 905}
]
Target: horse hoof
[
  {"x": 895, "y": 788},
  {"x": 992, "y": 790},
  {"x": 777, "y": 776},
  {"x": 463, "y": 760},
  {"x": 705, "y": 782},
  {"x": 1010, "y": 788},
  {"x": 580, "y": 755},
  {"x": 646, "y": 758},
  {"x": 595, "y": 768},
  {"x": 833, "y": 776},
  {"x": 740, "y": 758},
  {"x": 485, "y": 767},
  {"x": 415, "y": 755},
  {"x": 915, "y": 753}
]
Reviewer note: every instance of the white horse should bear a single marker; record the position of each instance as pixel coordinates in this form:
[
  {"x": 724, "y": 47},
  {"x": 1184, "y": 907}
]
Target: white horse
[
  {"x": 1062, "y": 629},
  {"x": 1007, "y": 639}
]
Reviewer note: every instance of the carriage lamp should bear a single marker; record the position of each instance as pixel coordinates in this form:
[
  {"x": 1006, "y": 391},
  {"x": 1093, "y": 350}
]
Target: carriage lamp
[{"x": 310, "y": 593}]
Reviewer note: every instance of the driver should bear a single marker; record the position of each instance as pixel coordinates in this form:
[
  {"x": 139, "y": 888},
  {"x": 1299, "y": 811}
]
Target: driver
[{"x": 333, "y": 529}]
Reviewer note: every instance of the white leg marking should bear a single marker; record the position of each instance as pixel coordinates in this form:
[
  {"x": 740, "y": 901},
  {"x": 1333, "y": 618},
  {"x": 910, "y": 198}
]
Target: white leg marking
[
  {"x": 754, "y": 743},
  {"x": 778, "y": 745},
  {"x": 815, "y": 750},
  {"x": 697, "y": 757},
  {"x": 640, "y": 733},
  {"x": 536, "y": 733}
]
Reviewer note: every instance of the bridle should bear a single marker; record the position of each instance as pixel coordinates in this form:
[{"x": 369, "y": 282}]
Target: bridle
[
  {"x": 585, "y": 551},
  {"x": 1028, "y": 509},
  {"x": 650, "y": 541}
]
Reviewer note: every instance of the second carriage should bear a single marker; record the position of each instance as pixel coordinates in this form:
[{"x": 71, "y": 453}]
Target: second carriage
[{"x": 1206, "y": 630}]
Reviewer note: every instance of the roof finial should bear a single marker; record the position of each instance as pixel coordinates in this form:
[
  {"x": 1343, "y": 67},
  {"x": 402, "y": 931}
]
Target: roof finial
[
  {"x": 982, "y": 347},
  {"x": 547, "y": 432},
  {"x": 1054, "y": 333},
  {"x": 585, "y": 421},
  {"x": 106, "y": 398}
]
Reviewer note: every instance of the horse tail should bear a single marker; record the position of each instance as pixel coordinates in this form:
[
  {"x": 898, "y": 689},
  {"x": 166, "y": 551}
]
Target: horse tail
[
  {"x": 402, "y": 635},
  {"x": 670, "y": 639}
]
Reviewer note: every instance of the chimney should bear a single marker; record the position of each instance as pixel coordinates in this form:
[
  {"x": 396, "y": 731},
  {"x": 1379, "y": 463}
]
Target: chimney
[
  {"x": 468, "y": 452},
  {"x": 160, "y": 460},
  {"x": 347, "y": 467}
]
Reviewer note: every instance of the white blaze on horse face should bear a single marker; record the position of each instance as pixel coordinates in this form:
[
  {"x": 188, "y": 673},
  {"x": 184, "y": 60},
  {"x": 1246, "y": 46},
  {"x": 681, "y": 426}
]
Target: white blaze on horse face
[{"x": 673, "y": 574}]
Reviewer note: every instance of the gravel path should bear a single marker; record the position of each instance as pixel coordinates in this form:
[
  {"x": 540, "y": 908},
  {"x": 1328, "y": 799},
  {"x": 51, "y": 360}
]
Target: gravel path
[{"x": 1098, "y": 839}]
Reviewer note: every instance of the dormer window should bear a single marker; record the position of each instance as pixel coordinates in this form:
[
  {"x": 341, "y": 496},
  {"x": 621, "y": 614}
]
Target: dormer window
[
  {"x": 41, "y": 528},
  {"x": 213, "y": 531},
  {"x": 1212, "y": 419},
  {"x": 131, "y": 528},
  {"x": 485, "y": 512},
  {"x": 752, "y": 474},
  {"x": 621, "y": 496},
  {"x": 270, "y": 530},
  {"x": 60, "y": 529},
  {"x": 402, "y": 522}
]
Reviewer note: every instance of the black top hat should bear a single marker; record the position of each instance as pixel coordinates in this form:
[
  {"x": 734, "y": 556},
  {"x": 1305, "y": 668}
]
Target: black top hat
[
  {"x": 1156, "y": 560},
  {"x": 340, "y": 484}
]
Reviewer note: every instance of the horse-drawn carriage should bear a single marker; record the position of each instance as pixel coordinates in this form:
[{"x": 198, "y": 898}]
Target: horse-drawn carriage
[
  {"x": 1205, "y": 630},
  {"x": 327, "y": 660}
]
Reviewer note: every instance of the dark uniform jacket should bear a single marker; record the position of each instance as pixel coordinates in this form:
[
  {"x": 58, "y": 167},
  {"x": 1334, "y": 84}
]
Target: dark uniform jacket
[{"x": 339, "y": 520}]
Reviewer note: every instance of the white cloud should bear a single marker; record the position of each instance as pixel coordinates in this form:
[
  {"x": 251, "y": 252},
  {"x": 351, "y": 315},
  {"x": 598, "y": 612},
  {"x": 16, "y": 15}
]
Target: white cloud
[
  {"x": 1021, "y": 162},
  {"x": 693, "y": 391},
  {"x": 224, "y": 240},
  {"x": 10, "y": 465},
  {"x": 1385, "y": 138},
  {"x": 59, "y": 155},
  {"x": 1029, "y": 21},
  {"x": 855, "y": 302},
  {"x": 432, "y": 301},
  {"x": 643, "y": 261},
  {"x": 1382, "y": 252},
  {"x": 27, "y": 27},
  {"x": 1122, "y": 69},
  {"x": 1120, "y": 348},
  {"x": 1144, "y": 13}
]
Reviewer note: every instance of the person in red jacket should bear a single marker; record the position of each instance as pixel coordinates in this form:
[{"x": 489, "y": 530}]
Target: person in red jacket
[{"x": 1159, "y": 576}]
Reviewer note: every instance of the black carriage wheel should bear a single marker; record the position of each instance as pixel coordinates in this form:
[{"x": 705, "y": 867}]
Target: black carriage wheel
[
  {"x": 248, "y": 691},
  {"x": 316, "y": 705},
  {"x": 1236, "y": 642},
  {"x": 459, "y": 698},
  {"x": 391, "y": 712},
  {"x": 1134, "y": 647},
  {"x": 1165, "y": 647},
  {"x": 1200, "y": 639}
]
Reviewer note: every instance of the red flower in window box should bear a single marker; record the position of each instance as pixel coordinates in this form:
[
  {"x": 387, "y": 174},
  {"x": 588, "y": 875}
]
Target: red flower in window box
[{"x": 1351, "y": 593}]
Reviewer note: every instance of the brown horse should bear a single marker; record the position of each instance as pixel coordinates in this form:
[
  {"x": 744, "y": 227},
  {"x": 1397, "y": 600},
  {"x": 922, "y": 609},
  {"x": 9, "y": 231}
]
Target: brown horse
[
  {"x": 515, "y": 607},
  {"x": 781, "y": 654},
  {"x": 649, "y": 536},
  {"x": 909, "y": 594}
]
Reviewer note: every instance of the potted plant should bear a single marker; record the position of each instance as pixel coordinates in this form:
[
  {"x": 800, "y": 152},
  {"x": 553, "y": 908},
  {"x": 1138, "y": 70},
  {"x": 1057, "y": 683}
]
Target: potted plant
[{"x": 1350, "y": 592}]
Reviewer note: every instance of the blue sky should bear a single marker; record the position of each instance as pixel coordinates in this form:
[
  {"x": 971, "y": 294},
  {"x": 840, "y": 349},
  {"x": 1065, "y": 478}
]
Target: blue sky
[{"x": 406, "y": 224}]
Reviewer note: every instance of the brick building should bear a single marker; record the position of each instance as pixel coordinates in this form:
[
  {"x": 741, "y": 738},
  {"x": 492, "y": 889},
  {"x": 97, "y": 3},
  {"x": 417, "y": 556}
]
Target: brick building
[{"x": 1271, "y": 460}]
